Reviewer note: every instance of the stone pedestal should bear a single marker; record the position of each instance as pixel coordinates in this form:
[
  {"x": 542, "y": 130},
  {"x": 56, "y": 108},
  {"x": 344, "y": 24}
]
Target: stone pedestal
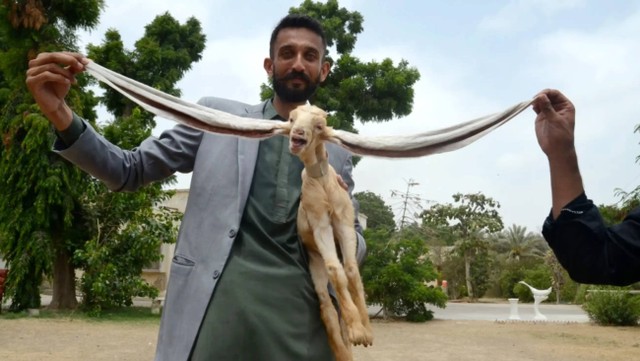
[
  {"x": 514, "y": 315},
  {"x": 536, "y": 301}
]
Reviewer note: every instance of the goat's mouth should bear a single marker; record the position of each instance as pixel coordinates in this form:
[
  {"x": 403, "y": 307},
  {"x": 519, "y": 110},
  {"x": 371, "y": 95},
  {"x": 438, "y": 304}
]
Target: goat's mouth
[{"x": 296, "y": 143}]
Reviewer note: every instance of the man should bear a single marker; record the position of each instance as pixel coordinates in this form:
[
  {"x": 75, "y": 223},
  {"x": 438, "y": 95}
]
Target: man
[
  {"x": 239, "y": 287},
  {"x": 575, "y": 230}
]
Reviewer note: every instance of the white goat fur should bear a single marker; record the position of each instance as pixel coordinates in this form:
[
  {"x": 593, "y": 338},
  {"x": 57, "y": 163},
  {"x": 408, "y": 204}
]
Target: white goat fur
[
  {"x": 326, "y": 212},
  {"x": 219, "y": 122}
]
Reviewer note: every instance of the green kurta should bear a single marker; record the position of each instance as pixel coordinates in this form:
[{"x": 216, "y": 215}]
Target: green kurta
[{"x": 265, "y": 307}]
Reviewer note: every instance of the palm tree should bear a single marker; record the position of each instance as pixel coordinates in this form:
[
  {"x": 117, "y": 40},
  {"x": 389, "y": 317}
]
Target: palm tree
[{"x": 517, "y": 243}]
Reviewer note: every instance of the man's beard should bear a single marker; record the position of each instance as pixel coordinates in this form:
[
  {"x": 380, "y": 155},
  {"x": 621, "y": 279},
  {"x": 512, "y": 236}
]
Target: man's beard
[{"x": 294, "y": 95}]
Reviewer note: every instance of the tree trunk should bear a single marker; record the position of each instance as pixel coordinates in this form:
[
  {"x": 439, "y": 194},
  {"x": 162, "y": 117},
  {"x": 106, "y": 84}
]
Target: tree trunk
[
  {"x": 467, "y": 274},
  {"x": 64, "y": 283}
]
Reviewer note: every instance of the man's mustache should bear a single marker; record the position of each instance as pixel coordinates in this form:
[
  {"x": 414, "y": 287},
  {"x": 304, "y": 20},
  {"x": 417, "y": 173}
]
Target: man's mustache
[{"x": 297, "y": 75}]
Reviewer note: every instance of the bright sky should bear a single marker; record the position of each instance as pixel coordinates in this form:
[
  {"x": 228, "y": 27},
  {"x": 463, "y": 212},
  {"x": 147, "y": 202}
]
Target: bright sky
[{"x": 475, "y": 58}]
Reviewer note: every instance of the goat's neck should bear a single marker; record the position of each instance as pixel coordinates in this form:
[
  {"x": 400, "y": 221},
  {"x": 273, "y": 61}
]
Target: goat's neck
[{"x": 315, "y": 161}]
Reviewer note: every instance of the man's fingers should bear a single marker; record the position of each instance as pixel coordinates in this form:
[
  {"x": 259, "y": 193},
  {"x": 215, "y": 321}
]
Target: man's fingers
[
  {"x": 74, "y": 61},
  {"x": 49, "y": 73},
  {"x": 51, "y": 68},
  {"x": 556, "y": 96},
  {"x": 48, "y": 77},
  {"x": 342, "y": 183},
  {"x": 542, "y": 103},
  {"x": 550, "y": 101}
]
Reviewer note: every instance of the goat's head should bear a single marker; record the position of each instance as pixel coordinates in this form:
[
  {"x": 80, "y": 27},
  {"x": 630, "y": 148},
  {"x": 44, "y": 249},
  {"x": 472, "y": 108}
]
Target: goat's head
[{"x": 308, "y": 128}]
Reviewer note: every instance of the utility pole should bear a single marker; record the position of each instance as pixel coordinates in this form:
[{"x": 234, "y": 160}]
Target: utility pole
[{"x": 409, "y": 201}]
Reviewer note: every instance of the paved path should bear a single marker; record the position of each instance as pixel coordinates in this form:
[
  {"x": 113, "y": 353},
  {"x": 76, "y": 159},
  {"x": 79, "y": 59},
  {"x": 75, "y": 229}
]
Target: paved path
[
  {"x": 500, "y": 312},
  {"x": 481, "y": 311}
]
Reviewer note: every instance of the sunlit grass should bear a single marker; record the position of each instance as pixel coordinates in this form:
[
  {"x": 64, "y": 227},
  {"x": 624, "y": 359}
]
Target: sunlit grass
[{"x": 124, "y": 314}]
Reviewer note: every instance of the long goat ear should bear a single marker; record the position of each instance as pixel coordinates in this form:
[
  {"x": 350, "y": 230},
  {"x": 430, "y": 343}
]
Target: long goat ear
[
  {"x": 330, "y": 135},
  {"x": 215, "y": 121},
  {"x": 285, "y": 128},
  {"x": 193, "y": 115},
  {"x": 433, "y": 142}
]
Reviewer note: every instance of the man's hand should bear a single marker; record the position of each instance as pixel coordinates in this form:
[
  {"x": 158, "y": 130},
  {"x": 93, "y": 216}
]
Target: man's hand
[
  {"x": 49, "y": 78},
  {"x": 555, "y": 123},
  {"x": 342, "y": 183}
]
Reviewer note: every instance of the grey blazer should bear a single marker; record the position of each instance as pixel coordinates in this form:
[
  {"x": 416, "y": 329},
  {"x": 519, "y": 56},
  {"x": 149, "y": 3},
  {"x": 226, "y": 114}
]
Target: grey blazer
[{"x": 222, "y": 174}]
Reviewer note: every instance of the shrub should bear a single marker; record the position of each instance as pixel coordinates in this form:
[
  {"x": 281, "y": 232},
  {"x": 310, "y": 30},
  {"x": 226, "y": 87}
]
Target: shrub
[
  {"x": 581, "y": 294},
  {"x": 511, "y": 274},
  {"x": 396, "y": 273},
  {"x": 612, "y": 306}
]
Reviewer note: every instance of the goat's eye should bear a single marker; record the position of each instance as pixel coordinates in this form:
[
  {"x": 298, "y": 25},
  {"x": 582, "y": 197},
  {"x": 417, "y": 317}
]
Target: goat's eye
[{"x": 290, "y": 120}]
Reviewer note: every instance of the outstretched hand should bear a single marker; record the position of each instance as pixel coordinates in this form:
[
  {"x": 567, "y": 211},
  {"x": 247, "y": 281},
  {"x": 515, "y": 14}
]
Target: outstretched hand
[
  {"x": 49, "y": 78},
  {"x": 555, "y": 123}
]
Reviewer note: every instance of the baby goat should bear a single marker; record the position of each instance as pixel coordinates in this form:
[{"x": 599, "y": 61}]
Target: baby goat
[{"x": 326, "y": 212}]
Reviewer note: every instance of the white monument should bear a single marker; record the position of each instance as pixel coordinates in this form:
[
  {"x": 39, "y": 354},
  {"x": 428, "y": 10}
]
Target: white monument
[{"x": 538, "y": 296}]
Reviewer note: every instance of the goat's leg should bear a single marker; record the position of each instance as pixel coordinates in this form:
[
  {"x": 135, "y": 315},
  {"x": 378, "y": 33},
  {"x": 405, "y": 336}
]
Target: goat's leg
[
  {"x": 323, "y": 235},
  {"x": 341, "y": 349},
  {"x": 344, "y": 331},
  {"x": 346, "y": 235}
]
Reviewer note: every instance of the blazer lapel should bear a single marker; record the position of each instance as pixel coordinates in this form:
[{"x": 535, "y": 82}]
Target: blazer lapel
[{"x": 247, "y": 157}]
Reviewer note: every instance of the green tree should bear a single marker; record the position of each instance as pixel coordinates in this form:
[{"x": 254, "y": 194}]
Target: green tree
[
  {"x": 471, "y": 219},
  {"x": 367, "y": 91},
  {"x": 129, "y": 227},
  {"x": 616, "y": 213},
  {"x": 379, "y": 214},
  {"x": 41, "y": 220},
  {"x": 55, "y": 218},
  {"x": 129, "y": 233},
  {"x": 563, "y": 286},
  {"x": 395, "y": 275},
  {"x": 160, "y": 59}
]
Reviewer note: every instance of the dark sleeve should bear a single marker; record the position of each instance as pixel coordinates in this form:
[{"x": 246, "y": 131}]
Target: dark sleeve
[
  {"x": 73, "y": 132},
  {"x": 589, "y": 250}
]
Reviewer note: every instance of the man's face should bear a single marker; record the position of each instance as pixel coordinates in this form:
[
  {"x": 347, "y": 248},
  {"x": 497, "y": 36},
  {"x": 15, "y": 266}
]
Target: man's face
[{"x": 297, "y": 66}]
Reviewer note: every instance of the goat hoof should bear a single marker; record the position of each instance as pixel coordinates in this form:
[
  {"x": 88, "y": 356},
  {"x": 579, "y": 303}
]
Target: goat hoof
[
  {"x": 358, "y": 335},
  {"x": 368, "y": 338}
]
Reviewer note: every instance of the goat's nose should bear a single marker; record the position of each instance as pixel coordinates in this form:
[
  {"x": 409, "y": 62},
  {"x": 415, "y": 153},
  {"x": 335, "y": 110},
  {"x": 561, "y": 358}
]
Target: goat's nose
[{"x": 298, "y": 131}]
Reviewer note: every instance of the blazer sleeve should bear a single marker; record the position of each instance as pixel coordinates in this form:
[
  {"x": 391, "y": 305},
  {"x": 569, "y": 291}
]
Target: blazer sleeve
[
  {"x": 591, "y": 251},
  {"x": 127, "y": 170}
]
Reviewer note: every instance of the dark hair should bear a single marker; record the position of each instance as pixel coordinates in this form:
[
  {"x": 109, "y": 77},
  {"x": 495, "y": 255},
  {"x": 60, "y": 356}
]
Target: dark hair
[{"x": 298, "y": 21}]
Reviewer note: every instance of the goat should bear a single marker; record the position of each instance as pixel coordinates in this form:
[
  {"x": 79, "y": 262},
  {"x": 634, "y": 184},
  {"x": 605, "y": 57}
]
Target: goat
[{"x": 326, "y": 218}]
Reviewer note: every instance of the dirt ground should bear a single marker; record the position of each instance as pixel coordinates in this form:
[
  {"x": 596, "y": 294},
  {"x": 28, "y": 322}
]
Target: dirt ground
[{"x": 33, "y": 339}]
